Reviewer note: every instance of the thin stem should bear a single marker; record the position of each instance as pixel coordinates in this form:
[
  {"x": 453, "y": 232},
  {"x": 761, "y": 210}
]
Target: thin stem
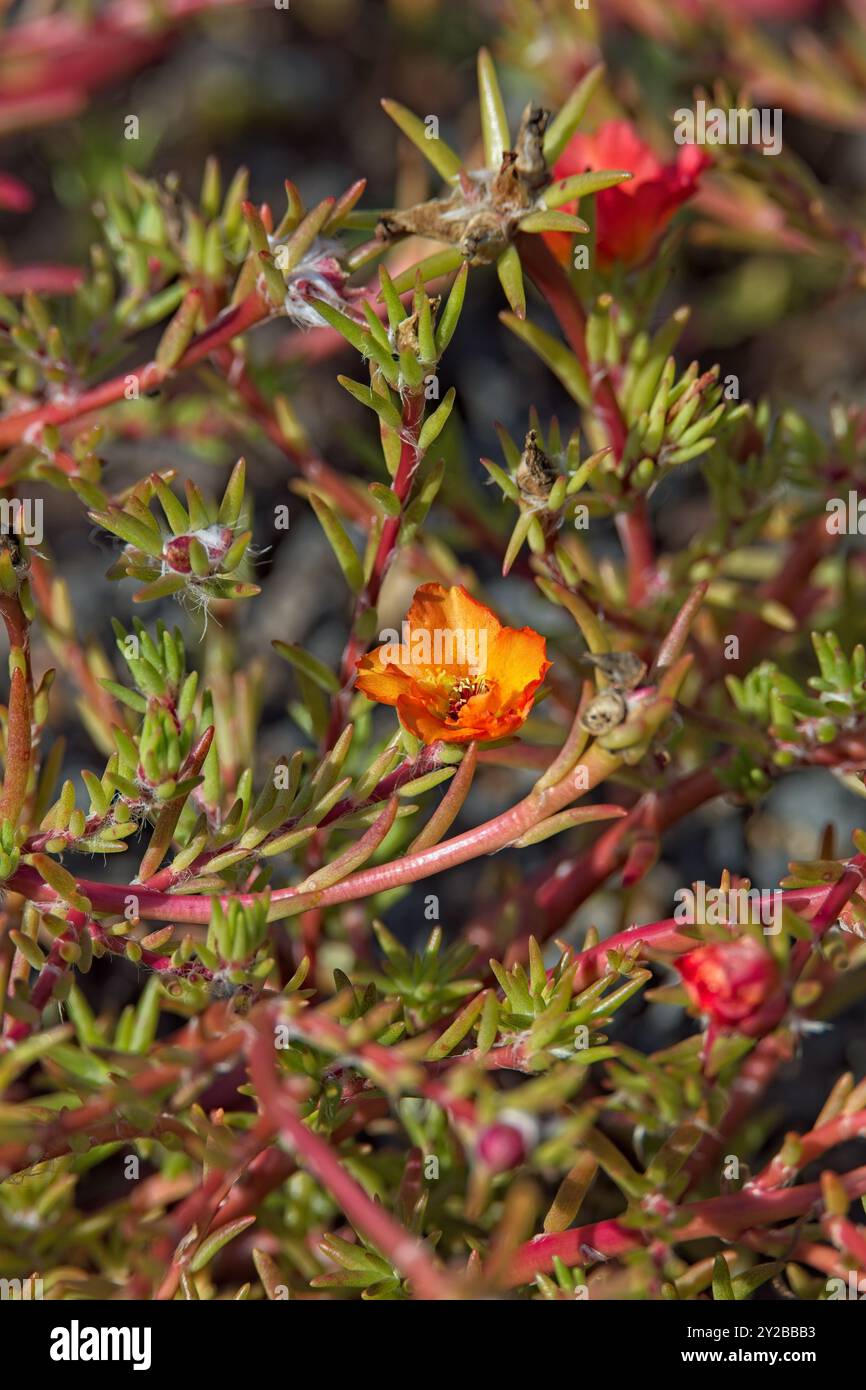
[
  {"x": 19, "y": 736},
  {"x": 72, "y": 656},
  {"x": 789, "y": 587},
  {"x": 411, "y": 421},
  {"x": 55, "y": 967},
  {"x": 747, "y": 1089},
  {"x": 487, "y": 838},
  {"x": 633, "y": 528},
  {"x": 428, "y": 760},
  {"x": 164, "y": 1075},
  {"x": 318, "y": 473},
  {"x": 553, "y": 284},
  {"x": 200, "y": 1209},
  {"x": 226, "y": 326},
  {"x": 726, "y": 1218},
  {"x": 406, "y": 1253},
  {"x": 551, "y": 895},
  {"x": 840, "y": 893},
  {"x": 632, "y": 523},
  {"x": 782, "y": 1171}
]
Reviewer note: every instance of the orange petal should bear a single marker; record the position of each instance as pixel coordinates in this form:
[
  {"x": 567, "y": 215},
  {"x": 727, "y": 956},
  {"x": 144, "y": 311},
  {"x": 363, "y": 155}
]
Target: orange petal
[
  {"x": 459, "y": 630},
  {"x": 518, "y": 660},
  {"x": 444, "y": 625}
]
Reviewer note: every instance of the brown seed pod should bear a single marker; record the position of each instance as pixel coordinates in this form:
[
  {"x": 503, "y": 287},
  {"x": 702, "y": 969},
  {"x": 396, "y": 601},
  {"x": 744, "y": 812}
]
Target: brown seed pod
[
  {"x": 530, "y": 164},
  {"x": 623, "y": 669},
  {"x": 481, "y": 216},
  {"x": 508, "y": 194},
  {"x": 604, "y": 712},
  {"x": 535, "y": 474},
  {"x": 440, "y": 218},
  {"x": 18, "y": 558},
  {"x": 484, "y": 237}
]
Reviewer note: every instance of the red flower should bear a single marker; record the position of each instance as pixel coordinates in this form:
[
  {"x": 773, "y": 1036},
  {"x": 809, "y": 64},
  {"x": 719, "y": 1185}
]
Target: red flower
[
  {"x": 631, "y": 217},
  {"x": 738, "y": 984}
]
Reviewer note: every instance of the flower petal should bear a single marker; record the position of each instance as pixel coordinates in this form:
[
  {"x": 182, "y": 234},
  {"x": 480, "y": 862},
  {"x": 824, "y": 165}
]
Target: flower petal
[{"x": 456, "y": 673}]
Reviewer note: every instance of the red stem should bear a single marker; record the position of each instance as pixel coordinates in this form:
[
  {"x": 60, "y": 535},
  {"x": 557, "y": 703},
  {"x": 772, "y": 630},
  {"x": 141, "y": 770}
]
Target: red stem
[
  {"x": 412, "y": 416},
  {"x": 406, "y": 1253},
  {"x": 19, "y": 730},
  {"x": 552, "y": 895},
  {"x": 225, "y": 327},
  {"x": 746, "y": 1090},
  {"x": 17, "y": 1029},
  {"x": 633, "y": 529},
  {"x": 811, "y": 1146},
  {"x": 487, "y": 838},
  {"x": 725, "y": 1218},
  {"x": 753, "y": 633},
  {"x": 841, "y": 892},
  {"x": 554, "y": 285}
]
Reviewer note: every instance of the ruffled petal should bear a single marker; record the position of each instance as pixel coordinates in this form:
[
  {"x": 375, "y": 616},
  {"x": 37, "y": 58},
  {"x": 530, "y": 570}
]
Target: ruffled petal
[{"x": 459, "y": 675}]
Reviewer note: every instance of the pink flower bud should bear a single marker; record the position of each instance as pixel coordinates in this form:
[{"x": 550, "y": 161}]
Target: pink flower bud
[
  {"x": 216, "y": 541},
  {"x": 176, "y": 554},
  {"x": 501, "y": 1147}
]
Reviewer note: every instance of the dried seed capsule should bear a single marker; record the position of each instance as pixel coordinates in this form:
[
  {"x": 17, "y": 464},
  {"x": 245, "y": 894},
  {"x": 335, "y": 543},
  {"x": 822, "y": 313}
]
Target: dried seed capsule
[
  {"x": 483, "y": 238},
  {"x": 406, "y": 335},
  {"x": 530, "y": 164},
  {"x": 604, "y": 712},
  {"x": 624, "y": 669},
  {"x": 535, "y": 474},
  {"x": 443, "y": 219}
]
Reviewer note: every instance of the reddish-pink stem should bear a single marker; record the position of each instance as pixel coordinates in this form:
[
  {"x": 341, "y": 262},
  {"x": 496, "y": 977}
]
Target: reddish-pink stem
[
  {"x": 725, "y": 1218},
  {"x": 483, "y": 839},
  {"x": 493, "y": 835},
  {"x": 632, "y": 524},
  {"x": 747, "y": 1087},
  {"x": 412, "y": 415},
  {"x": 553, "y": 284},
  {"x": 633, "y": 528},
  {"x": 840, "y": 893},
  {"x": 54, "y": 968},
  {"x": 552, "y": 895},
  {"x": 227, "y": 326},
  {"x": 406, "y": 1253},
  {"x": 809, "y": 1147}
]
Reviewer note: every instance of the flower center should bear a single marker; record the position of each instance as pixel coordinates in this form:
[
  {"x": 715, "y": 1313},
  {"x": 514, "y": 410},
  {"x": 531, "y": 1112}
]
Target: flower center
[{"x": 462, "y": 692}]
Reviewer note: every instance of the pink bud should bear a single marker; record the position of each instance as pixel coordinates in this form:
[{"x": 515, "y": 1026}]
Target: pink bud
[
  {"x": 176, "y": 554},
  {"x": 501, "y": 1147},
  {"x": 215, "y": 539}
]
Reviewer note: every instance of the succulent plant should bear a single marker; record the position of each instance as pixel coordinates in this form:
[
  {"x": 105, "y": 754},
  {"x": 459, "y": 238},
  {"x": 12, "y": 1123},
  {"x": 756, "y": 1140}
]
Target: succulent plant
[{"x": 357, "y": 1008}]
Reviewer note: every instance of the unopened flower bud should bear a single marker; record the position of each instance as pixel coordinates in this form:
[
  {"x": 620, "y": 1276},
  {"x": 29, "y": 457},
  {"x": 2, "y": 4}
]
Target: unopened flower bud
[
  {"x": 737, "y": 983},
  {"x": 501, "y": 1147},
  {"x": 215, "y": 541}
]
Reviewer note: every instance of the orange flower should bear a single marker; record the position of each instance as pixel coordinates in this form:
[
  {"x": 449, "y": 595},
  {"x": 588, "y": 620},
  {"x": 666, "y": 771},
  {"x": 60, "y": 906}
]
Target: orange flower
[{"x": 454, "y": 672}]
